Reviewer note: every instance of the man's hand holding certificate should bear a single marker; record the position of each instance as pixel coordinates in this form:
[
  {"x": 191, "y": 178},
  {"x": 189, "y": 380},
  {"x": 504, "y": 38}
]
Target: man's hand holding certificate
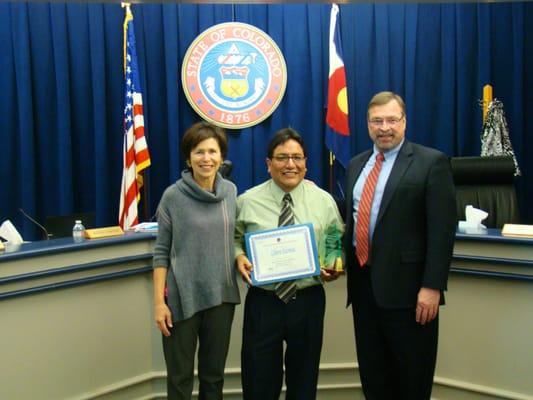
[{"x": 282, "y": 254}]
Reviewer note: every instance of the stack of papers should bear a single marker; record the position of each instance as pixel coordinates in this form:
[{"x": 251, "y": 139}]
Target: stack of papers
[
  {"x": 517, "y": 230},
  {"x": 144, "y": 227}
]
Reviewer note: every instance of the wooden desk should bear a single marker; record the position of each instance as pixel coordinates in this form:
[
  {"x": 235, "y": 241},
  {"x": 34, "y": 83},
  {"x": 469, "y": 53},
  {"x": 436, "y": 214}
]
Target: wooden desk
[
  {"x": 486, "y": 327},
  {"x": 77, "y": 323}
]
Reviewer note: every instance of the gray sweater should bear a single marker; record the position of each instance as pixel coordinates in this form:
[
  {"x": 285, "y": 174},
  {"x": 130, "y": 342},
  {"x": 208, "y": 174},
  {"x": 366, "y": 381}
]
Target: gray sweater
[{"x": 195, "y": 242}]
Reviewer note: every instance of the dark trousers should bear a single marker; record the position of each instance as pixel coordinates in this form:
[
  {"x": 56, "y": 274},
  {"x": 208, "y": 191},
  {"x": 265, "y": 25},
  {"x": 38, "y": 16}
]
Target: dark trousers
[
  {"x": 212, "y": 329},
  {"x": 396, "y": 355},
  {"x": 268, "y": 322}
]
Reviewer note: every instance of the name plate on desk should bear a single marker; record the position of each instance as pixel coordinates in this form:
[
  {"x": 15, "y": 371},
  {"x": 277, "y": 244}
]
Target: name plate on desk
[
  {"x": 99, "y": 233},
  {"x": 282, "y": 254},
  {"x": 517, "y": 230}
]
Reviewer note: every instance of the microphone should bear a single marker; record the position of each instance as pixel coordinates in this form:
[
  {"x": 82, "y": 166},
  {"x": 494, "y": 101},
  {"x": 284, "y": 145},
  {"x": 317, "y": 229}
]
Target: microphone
[
  {"x": 42, "y": 228},
  {"x": 339, "y": 186}
]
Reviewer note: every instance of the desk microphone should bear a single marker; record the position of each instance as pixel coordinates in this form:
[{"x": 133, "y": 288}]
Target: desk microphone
[
  {"x": 42, "y": 228},
  {"x": 339, "y": 186}
]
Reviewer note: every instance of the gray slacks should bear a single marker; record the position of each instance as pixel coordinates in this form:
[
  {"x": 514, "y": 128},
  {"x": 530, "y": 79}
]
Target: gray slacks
[{"x": 211, "y": 328}]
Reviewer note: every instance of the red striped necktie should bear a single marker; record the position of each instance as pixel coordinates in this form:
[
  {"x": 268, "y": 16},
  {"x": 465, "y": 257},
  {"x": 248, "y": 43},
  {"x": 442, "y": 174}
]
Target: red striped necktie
[{"x": 363, "y": 212}]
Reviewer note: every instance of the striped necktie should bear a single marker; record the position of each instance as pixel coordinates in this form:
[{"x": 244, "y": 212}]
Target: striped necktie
[
  {"x": 363, "y": 212},
  {"x": 285, "y": 290}
]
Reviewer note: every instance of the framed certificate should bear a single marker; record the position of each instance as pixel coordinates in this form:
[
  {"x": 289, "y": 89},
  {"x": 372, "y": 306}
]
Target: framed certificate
[{"x": 282, "y": 254}]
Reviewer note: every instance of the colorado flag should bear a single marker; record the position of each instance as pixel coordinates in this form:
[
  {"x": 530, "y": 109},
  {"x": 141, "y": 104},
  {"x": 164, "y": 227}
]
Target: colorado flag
[{"x": 337, "y": 130}]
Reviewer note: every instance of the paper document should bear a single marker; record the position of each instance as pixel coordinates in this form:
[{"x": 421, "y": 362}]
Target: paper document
[
  {"x": 517, "y": 230},
  {"x": 144, "y": 227},
  {"x": 10, "y": 233}
]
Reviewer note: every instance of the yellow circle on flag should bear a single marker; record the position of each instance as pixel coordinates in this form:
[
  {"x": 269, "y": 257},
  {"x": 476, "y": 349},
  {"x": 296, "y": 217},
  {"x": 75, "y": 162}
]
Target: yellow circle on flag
[{"x": 342, "y": 100}]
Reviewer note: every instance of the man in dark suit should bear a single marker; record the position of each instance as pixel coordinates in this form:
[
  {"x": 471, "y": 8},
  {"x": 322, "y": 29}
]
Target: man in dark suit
[{"x": 400, "y": 229}]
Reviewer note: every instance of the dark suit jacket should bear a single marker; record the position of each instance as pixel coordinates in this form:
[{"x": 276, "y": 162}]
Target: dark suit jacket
[{"x": 415, "y": 228}]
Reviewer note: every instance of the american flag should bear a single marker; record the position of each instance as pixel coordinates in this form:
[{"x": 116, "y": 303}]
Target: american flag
[{"x": 136, "y": 155}]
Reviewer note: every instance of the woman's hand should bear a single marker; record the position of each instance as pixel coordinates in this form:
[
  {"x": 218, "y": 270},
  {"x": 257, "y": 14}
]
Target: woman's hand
[{"x": 163, "y": 318}]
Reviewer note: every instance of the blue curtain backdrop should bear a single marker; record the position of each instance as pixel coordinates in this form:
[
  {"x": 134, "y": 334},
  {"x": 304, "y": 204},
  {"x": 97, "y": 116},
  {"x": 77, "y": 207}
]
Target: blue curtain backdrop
[{"x": 61, "y": 90}]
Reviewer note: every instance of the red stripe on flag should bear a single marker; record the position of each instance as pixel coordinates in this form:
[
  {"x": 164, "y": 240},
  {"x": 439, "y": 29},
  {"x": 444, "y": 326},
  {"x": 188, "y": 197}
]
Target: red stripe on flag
[
  {"x": 131, "y": 194},
  {"x": 142, "y": 156},
  {"x": 137, "y": 109},
  {"x": 130, "y": 157},
  {"x": 139, "y": 132}
]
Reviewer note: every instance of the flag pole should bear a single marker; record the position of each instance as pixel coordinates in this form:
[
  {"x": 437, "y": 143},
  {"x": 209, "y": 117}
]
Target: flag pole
[
  {"x": 331, "y": 177},
  {"x": 337, "y": 134},
  {"x": 146, "y": 206},
  {"x": 136, "y": 155},
  {"x": 146, "y": 201}
]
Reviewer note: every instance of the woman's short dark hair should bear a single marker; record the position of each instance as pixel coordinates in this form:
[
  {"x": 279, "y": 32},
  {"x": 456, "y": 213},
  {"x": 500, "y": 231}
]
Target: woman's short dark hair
[
  {"x": 282, "y": 136},
  {"x": 201, "y": 131}
]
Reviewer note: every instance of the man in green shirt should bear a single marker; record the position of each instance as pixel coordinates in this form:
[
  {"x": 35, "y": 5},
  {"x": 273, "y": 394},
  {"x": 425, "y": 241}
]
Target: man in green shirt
[{"x": 296, "y": 319}]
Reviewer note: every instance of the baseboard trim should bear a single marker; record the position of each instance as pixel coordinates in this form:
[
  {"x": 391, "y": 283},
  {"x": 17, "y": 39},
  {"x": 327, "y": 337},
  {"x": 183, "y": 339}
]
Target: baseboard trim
[
  {"x": 481, "y": 389},
  {"x": 100, "y": 393},
  {"x": 150, "y": 378}
]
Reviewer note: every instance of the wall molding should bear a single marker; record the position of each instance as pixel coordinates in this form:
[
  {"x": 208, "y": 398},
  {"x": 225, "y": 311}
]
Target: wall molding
[
  {"x": 493, "y": 260},
  {"x": 75, "y": 282},
  {"x": 480, "y": 389},
  {"x": 151, "y": 379},
  {"x": 492, "y": 274},
  {"x": 75, "y": 268}
]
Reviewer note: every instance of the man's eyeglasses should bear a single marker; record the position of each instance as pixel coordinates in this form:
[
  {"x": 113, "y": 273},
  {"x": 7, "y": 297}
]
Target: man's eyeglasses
[
  {"x": 284, "y": 158},
  {"x": 392, "y": 122}
]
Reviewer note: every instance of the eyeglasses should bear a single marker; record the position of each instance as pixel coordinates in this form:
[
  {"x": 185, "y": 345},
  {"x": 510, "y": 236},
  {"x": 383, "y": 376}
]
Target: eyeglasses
[
  {"x": 392, "y": 122},
  {"x": 284, "y": 158}
]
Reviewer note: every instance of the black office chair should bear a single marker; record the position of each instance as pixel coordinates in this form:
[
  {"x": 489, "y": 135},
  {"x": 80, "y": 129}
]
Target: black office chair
[
  {"x": 61, "y": 225},
  {"x": 486, "y": 183},
  {"x": 225, "y": 169}
]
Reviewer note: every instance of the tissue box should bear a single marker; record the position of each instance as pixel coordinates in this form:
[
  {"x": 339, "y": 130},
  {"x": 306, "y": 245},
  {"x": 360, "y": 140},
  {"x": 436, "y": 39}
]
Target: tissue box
[{"x": 11, "y": 246}]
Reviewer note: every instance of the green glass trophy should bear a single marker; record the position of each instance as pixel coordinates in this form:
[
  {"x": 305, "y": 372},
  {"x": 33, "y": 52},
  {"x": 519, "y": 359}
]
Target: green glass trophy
[{"x": 330, "y": 249}]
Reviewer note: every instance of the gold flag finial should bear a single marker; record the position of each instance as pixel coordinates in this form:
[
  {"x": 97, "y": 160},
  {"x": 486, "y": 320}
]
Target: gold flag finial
[{"x": 487, "y": 98}]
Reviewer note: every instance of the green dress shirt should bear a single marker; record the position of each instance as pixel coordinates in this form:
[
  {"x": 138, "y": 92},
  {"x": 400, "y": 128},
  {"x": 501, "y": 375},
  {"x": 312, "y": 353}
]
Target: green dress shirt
[{"x": 259, "y": 208}]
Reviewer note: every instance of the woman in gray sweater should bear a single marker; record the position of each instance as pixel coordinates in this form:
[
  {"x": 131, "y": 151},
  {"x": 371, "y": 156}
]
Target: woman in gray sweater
[{"x": 195, "y": 289}]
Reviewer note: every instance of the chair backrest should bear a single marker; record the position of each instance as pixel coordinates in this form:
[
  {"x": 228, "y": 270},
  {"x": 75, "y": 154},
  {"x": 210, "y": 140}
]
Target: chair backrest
[
  {"x": 225, "y": 169},
  {"x": 486, "y": 183},
  {"x": 61, "y": 225}
]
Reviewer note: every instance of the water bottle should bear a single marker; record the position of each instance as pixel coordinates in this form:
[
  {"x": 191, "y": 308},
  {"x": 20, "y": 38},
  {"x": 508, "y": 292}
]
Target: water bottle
[{"x": 78, "y": 232}]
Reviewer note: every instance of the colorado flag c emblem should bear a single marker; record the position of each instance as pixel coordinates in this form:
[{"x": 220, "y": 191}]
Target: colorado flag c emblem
[{"x": 234, "y": 75}]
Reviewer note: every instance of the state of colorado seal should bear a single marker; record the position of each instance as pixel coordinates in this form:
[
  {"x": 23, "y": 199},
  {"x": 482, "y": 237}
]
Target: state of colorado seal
[{"x": 234, "y": 75}]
